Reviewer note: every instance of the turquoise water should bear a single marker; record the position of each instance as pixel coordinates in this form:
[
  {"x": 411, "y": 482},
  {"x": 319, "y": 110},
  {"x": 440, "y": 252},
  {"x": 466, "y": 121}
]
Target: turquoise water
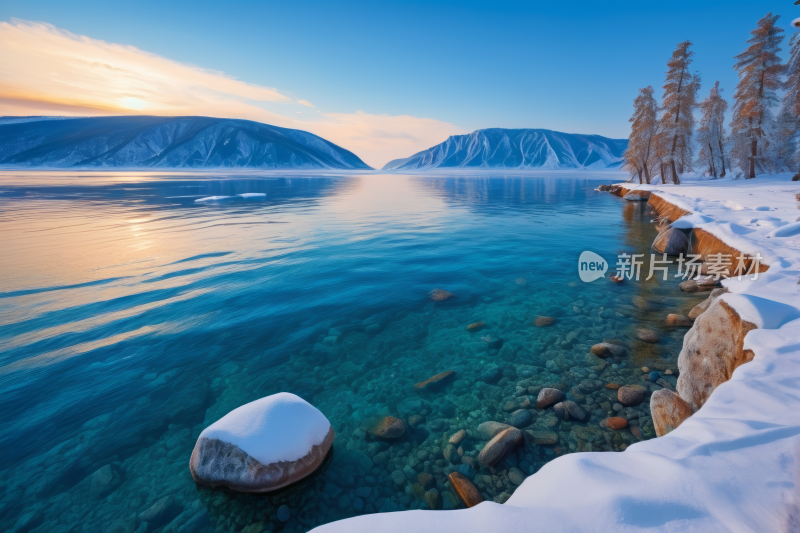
[{"x": 132, "y": 316}]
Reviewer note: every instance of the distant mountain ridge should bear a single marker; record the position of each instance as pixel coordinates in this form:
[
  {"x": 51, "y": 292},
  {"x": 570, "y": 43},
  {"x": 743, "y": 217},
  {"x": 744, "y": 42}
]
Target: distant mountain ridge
[
  {"x": 518, "y": 149},
  {"x": 164, "y": 142}
]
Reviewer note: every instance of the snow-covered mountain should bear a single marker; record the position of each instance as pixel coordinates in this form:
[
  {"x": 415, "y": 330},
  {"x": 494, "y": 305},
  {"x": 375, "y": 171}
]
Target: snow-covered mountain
[
  {"x": 520, "y": 149},
  {"x": 164, "y": 142}
]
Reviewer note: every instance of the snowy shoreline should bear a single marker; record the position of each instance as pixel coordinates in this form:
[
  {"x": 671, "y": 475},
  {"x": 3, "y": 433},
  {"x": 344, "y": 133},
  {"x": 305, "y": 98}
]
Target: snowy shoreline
[{"x": 733, "y": 465}]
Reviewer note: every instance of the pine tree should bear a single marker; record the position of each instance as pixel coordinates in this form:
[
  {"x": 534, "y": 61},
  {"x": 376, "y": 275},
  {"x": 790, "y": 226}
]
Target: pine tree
[
  {"x": 644, "y": 127},
  {"x": 711, "y": 133},
  {"x": 783, "y": 148},
  {"x": 759, "y": 69},
  {"x": 790, "y": 110},
  {"x": 679, "y": 103}
]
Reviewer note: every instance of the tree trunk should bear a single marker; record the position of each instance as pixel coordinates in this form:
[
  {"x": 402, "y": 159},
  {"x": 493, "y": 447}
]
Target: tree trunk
[
  {"x": 675, "y": 179},
  {"x": 722, "y": 158},
  {"x": 640, "y": 175},
  {"x": 753, "y": 151},
  {"x": 647, "y": 174},
  {"x": 711, "y": 168},
  {"x": 793, "y": 179}
]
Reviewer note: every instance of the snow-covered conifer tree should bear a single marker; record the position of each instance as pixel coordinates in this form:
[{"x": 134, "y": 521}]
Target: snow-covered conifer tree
[
  {"x": 640, "y": 154},
  {"x": 677, "y": 122},
  {"x": 759, "y": 69},
  {"x": 789, "y": 118},
  {"x": 711, "y": 133}
]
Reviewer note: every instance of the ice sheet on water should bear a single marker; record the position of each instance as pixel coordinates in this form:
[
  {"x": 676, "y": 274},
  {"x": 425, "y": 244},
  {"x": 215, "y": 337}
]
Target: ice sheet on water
[{"x": 213, "y": 199}]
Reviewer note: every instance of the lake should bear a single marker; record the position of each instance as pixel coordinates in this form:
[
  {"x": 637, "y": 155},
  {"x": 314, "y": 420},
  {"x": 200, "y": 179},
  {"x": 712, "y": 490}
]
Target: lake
[{"x": 133, "y": 315}]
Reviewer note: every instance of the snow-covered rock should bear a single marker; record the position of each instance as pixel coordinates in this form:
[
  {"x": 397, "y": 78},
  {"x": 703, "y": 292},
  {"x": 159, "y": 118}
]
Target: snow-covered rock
[
  {"x": 263, "y": 445},
  {"x": 520, "y": 149}
]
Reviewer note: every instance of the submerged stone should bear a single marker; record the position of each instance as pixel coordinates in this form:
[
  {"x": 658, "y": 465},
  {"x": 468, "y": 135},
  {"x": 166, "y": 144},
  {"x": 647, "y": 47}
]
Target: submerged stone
[
  {"x": 614, "y": 422},
  {"x": 547, "y": 397},
  {"x": 436, "y": 381},
  {"x": 502, "y": 443},
  {"x": 680, "y": 321},
  {"x": 439, "y": 295},
  {"x": 387, "y": 427},
  {"x": 647, "y": 335},
  {"x": 606, "y": 349},
  {"x": 519, "y": 418},
  {"x": 488, "y": 430},
  {"x": 630, "y": 395}
]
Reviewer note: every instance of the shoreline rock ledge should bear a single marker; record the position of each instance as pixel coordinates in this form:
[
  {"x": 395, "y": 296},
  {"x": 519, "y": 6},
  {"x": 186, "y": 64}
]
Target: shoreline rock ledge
[{"x": 262, "y": 446}]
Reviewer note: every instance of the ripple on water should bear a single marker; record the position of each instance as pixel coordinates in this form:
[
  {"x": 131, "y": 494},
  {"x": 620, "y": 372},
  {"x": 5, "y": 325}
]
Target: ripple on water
[{"x": 117, "y": 358}]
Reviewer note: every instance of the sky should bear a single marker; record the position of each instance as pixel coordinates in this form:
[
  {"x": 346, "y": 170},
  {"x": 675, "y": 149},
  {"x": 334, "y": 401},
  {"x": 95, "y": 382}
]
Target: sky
[{"x": 382, "y": 79}]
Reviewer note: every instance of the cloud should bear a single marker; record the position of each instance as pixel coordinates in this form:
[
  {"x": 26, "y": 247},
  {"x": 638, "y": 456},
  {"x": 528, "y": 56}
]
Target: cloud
[
  {"x": 388, "y": 137},
  {"x": 45, "y": 70}
]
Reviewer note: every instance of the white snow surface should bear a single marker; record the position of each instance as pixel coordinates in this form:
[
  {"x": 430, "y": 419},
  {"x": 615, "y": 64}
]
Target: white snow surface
[
  {"x": 280, "y": 427},
  {"x": 246, "y": 195},
  {"x": 735, "y": 464}
]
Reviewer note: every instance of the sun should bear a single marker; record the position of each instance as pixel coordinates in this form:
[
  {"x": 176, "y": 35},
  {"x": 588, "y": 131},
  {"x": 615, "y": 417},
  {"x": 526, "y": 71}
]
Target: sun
[{"x": 136, "y": 104}]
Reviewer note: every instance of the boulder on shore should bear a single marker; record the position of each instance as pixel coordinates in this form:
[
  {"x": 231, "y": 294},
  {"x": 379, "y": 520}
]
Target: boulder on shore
[
  {"x": 671, "y": 241},
  {"x": 698, "y": 309},
  {"x": 669, "y": 410},
  {"x": 637, "y": 196},
  {"x": 712, "y": 349},
  {"x": 262, "y": 446}
]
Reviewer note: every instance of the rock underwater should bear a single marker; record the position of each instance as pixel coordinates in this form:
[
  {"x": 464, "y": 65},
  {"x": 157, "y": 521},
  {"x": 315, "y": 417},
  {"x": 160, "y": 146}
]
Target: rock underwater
[{"x": 262, "y": 446}]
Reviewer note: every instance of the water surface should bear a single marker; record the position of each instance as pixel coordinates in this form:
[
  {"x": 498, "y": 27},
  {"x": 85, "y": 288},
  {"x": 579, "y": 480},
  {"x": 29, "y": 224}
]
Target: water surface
[{"x": 133, "y": 316}]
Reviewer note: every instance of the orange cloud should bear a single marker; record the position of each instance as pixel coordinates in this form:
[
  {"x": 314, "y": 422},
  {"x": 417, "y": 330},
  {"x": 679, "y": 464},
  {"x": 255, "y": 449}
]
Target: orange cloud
[{"x": 45, "y": 70}]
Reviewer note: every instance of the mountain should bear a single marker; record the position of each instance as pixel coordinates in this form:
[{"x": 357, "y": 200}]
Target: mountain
[
  {"x": 518, "y": 149},
  {"x": 164, "y": 142}
]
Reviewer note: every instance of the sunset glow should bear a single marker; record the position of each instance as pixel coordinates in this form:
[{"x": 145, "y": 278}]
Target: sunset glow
[{"x": 47, "y": 71}]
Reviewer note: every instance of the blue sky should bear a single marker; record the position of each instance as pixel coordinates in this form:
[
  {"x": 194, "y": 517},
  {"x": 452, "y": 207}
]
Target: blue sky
[{"x": 568, "y": 66}]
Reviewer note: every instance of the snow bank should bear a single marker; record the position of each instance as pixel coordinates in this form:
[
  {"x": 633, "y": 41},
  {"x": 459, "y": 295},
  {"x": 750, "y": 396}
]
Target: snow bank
[
  {"x": 732, "y": 466},
  {"x": 281, "y": 427}
]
